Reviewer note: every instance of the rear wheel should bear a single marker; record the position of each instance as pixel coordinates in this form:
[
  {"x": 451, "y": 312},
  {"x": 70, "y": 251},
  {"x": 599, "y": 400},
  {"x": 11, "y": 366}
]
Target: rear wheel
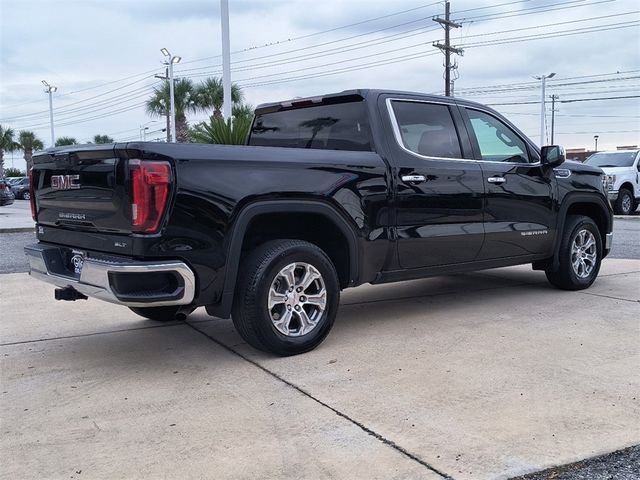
[
  {"x": 26, "y": 196},
  {"x": 580, "y": 255},
  {"x": 287, "y": 297},
  {"x": 159, "y": 314},
  {"x": 625, "y": 202}
]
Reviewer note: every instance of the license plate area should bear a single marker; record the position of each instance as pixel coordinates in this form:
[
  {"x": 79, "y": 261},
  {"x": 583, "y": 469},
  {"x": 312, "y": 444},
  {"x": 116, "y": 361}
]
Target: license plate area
[{"x": 66, "y": 262}]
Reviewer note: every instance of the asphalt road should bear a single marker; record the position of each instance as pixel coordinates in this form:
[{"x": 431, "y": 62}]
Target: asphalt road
[
  {"x": 620, "y": 465},
  {"x": 626, "y": 238},
  {"x": 626, "y": 244}
]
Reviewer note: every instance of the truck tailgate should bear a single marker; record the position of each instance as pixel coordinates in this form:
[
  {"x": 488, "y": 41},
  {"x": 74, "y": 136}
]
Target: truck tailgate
[{"x": 83, "y": 189}]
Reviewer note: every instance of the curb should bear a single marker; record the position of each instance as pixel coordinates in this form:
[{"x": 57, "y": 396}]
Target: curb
[{"x": 18, "y": 229}]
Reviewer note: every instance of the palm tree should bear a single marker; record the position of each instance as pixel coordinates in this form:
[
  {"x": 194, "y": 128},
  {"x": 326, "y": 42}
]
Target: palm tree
[
  {"x": 62, "y": 141},
  {"x": 184, "y": 102},
  {"x": 210, "y": 95},
  {"x": 316, "y": 125},
  {"x": 219, "y": 131},
  {"x": 28, "y": 143},
  {"x": 242, "y": 110},
  {"x": 102, "y": 139},
  {"x": 7, "y": 144}
]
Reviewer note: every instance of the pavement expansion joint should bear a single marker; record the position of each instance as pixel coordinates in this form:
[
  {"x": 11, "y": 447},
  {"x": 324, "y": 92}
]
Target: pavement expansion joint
[
  {"x": 609, "y": 296},
  {"x": 360, "y": 425},
  {"x": 65, "y": 337}
]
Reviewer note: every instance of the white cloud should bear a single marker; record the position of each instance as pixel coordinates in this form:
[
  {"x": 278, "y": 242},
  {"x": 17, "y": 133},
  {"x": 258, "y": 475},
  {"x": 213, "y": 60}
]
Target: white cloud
[{"x": 81, "y": 44}]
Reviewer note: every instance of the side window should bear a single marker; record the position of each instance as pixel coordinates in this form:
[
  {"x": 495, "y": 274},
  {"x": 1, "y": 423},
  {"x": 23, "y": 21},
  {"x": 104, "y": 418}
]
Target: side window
[
  {"x": 497, "y": 142},
  {"x": 427, "y": 129}
]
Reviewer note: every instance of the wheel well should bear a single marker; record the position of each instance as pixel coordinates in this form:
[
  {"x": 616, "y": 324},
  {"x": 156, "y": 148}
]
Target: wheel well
[
  {"x": 312, "y": 227},
  {"x": 594, "y": 212},
  {"x": 626, "y": 186}
]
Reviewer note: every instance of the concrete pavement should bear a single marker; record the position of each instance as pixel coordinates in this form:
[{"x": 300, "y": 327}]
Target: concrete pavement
[
  {"x": 479, "y": 376},
  {"x": 16, "y": 217}
]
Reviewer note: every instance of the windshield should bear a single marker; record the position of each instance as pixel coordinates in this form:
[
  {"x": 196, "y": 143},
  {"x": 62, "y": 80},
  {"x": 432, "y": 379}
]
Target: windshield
[{"x": 617, "y": 159}]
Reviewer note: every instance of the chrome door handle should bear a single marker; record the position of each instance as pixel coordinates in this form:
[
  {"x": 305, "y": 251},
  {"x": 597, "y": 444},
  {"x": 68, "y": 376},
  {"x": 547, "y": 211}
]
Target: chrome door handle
[
  {"x": 413, "y": 178},
  {"x": 496, "y": 179}
]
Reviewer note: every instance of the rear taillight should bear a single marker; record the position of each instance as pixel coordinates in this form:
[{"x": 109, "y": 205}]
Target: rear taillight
[
  {"x": 32, "y": 196},
  {"x": 149, "y": 193}
]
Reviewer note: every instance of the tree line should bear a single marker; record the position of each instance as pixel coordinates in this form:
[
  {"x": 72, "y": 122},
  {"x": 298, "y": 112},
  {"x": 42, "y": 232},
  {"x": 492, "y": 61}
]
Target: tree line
[{"x": 189, "y": 98}]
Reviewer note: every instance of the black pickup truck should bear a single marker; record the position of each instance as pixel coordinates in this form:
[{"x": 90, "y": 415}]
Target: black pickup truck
[{"x": 331, "y": 192}]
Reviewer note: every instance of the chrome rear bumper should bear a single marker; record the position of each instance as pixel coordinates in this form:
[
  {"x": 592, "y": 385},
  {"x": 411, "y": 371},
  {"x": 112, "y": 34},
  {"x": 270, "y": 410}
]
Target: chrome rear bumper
[{"x": 98, "y": 277}]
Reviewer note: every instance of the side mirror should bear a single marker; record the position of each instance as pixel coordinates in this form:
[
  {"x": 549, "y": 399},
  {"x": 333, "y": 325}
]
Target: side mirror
[{"x": 552, "y": 155}]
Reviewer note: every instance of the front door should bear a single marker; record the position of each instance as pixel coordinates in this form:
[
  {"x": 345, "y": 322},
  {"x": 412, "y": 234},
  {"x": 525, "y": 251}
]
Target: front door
[
  {"x": 519, "y": 191},
  {"x": 438, "y": 192}
]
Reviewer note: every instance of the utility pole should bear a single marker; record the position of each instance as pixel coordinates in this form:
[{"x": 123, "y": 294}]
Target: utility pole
[
  {"x": 447, "y": 24},
  {"x": 170, "y": 62},
  {"x": 50, "y": 89},
  {"x": 553, "y": 115},
  {"x": 226, "y": 60},
  {"x": 543, "y": 119},
  {"x": 166, "y": 109}
]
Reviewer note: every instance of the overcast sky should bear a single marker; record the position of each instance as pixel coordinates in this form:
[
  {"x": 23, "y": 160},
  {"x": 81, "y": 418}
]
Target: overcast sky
[{"x": 102, "y": 55}]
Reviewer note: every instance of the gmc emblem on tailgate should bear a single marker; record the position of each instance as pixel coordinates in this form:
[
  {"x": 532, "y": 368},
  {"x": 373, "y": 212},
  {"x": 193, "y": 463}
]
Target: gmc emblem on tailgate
[{"x": 65, "y": 182}]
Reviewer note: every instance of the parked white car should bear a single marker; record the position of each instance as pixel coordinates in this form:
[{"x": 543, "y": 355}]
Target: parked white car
[{"x": 622, "y": 169}]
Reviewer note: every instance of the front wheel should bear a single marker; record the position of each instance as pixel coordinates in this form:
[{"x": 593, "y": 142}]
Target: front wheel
[
  {"x": 287, "y": 297},
  {"x": 580, "y": 254},
  {"x": 26, "y": 196},
  {"x": 625, "y": 202}
]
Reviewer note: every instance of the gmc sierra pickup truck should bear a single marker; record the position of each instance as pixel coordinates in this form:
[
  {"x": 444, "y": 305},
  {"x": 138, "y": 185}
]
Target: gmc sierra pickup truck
[{"x": 331, "y": 192}]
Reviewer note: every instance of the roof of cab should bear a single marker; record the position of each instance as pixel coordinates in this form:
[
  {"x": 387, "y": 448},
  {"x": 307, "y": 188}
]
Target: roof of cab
[{"x": 353, "y": 95}]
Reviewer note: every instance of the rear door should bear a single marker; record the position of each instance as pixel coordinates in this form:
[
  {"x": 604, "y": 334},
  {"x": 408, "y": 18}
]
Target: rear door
[
  {"x": 83, "y": 189},
  {"x": 519, "y": 216},
  {"x": 439, "y": 186}
]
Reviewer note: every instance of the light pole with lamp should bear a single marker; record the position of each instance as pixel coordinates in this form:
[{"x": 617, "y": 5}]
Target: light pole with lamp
[
  {"x": 170, "y": 62},
  {"x": 542, "y": 106},
  {"x": 595, "y": 137},
  {"x": 143, "y": 130},
  {"x": 50, "y": 89}
]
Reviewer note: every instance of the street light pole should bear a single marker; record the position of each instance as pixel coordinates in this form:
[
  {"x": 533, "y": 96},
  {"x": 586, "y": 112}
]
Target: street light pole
[
  {"x": 171, "y": 60},
  {"x": 595, "y": 137},
  {"x": 50, "y": 89},
  {"x": 542, "y": 105},
  {"x": 226, "y": 60}
]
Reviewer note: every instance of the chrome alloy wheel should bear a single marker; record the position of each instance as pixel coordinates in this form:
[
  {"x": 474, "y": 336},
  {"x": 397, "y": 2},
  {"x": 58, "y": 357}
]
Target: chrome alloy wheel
[
  {"x": 626, "y": 204},
  {"x": 297, "y": 299},
  {"x": 583, "y": 253}
]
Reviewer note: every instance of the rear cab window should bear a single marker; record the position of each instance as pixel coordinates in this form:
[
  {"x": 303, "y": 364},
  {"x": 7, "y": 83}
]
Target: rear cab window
[
  {"x": 338, "y": 126},
  {"x": 426, "y": 129}
]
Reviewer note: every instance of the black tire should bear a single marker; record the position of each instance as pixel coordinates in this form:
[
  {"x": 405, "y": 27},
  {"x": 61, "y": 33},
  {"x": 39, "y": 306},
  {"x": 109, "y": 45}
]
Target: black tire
[
  {"x": 625, "y": 203},
  {"x": 159, "y": 314},
  {"x": 251, "y": 314},
  {"x": 26, "y": 196},
  {"x": 566, "y": 277}
]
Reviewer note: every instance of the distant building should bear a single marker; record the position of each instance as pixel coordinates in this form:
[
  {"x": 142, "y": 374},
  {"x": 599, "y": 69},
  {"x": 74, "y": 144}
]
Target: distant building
[{"x": 578, "y": 154}]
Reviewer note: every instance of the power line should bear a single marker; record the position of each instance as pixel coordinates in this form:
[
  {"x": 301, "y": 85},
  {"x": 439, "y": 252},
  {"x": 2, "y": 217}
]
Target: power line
[
  {"x": 497, "y": 14},
  {"x": 569, "y": 101}
]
